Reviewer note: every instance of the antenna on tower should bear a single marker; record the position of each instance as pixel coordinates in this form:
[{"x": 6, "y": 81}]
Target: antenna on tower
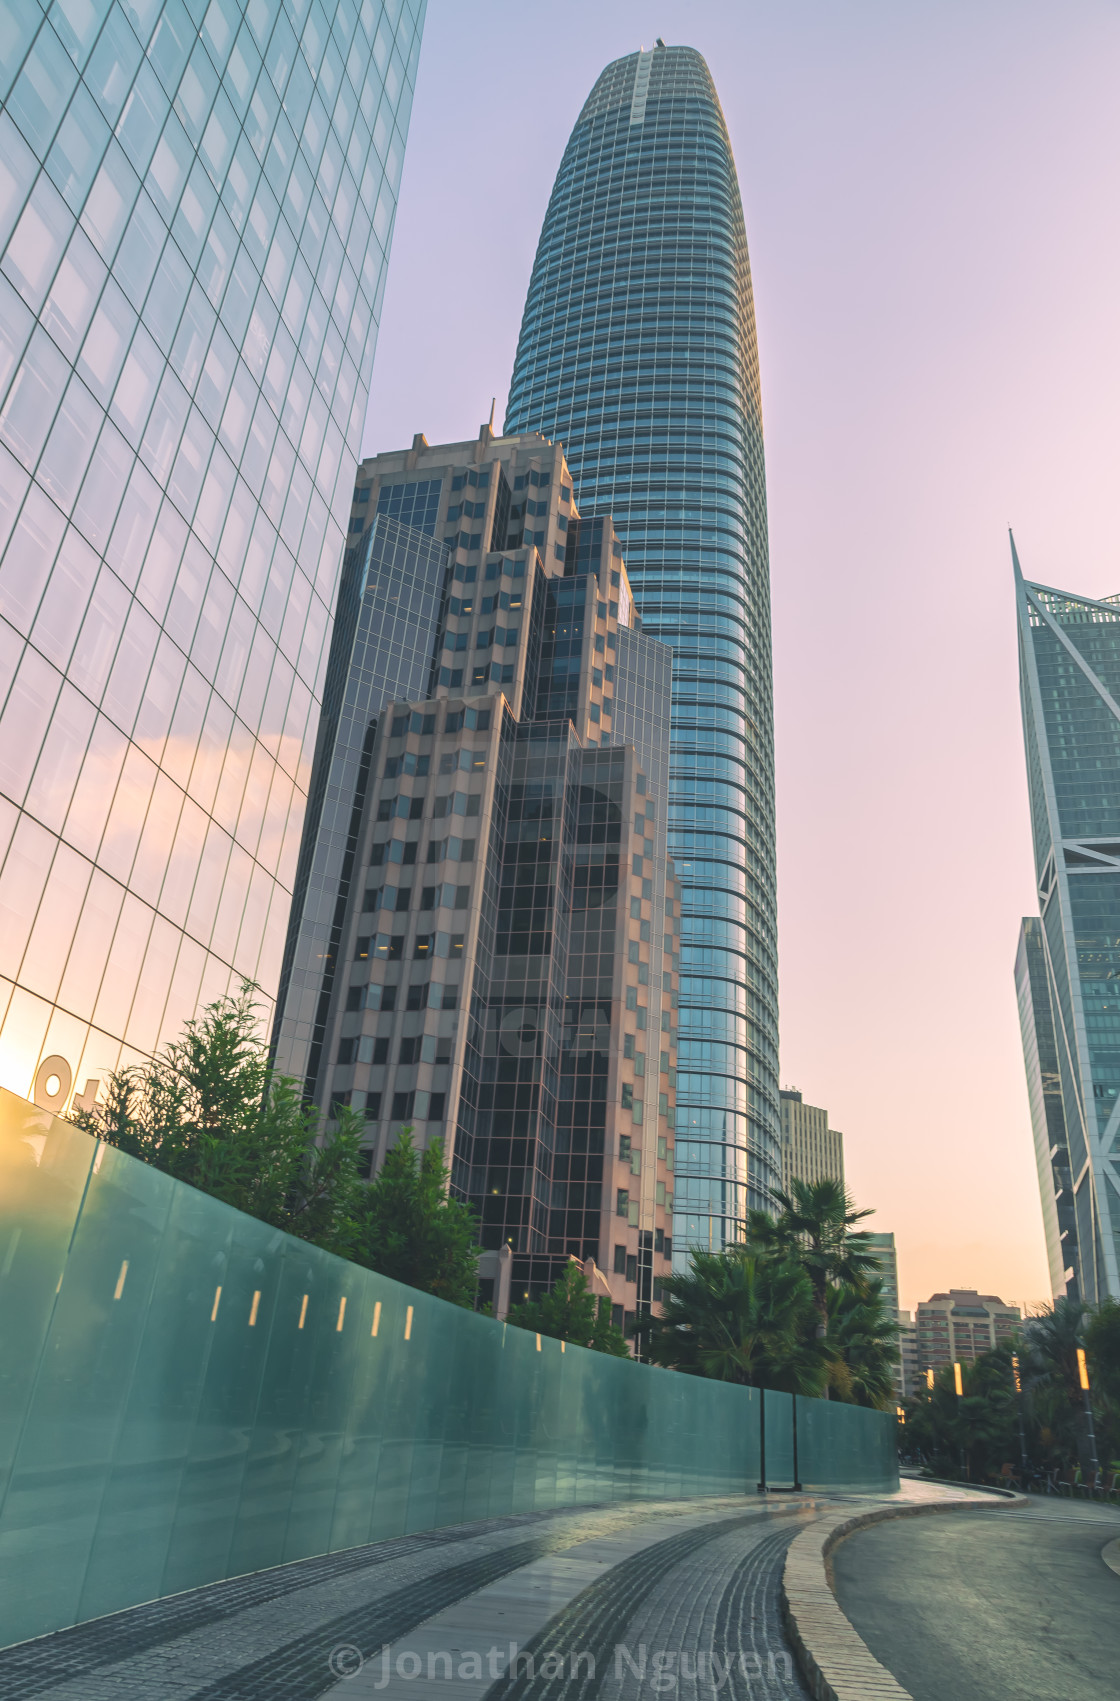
[{"x": 493, "y": 405}]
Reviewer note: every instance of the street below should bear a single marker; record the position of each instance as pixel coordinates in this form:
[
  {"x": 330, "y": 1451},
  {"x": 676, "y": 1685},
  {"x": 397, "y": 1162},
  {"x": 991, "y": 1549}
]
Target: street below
[{"x": 1012, "y": 1605}]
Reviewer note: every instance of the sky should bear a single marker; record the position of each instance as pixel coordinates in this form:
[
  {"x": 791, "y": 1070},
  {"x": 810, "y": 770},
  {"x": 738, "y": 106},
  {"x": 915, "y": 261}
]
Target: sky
[{"x": 932, "y": 212}]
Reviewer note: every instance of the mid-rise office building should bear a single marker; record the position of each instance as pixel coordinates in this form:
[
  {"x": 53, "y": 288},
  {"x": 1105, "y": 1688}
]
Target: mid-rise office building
[
  {"x": 956, "y": 1327},
  {"x": 637, "y": 350},
  {"x": 811, "y": 1150},
  {"x": 1068, "y": 965},
  {"x": 911, "y": 1373},
  {"x": 883, "y": 1246},
  {"x": 196, "y": 204},
  {"x": 486, "y": 947}
]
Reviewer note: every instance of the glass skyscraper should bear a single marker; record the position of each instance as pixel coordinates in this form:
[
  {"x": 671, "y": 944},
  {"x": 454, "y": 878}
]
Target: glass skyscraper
[
  {"x": 196, "y": 203},
  {"x": 1068, "y": 968},
  {"x": 637, "y": 351}
]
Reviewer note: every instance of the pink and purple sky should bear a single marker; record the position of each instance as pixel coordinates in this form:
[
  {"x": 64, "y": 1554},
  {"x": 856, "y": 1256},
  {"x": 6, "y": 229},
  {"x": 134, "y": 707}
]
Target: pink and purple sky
[{"x": 932, "y": 206}]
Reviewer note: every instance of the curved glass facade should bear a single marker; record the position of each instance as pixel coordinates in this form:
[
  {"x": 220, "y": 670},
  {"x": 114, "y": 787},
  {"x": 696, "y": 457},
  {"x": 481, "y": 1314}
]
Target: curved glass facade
[
  {"x": 196, "y": 203},
  {"x": 637, "y": 350}
]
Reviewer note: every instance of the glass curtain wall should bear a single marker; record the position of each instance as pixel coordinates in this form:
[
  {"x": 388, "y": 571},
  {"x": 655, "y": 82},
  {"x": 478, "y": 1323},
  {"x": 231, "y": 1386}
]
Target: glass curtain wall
[
  {"x": 196, "y": 203},
  {"x": 637, "y": 351},
  {"x": 1069, "y": 664}
]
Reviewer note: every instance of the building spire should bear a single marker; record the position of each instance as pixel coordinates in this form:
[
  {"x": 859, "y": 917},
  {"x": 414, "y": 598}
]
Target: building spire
[{"x": 1014, "y": 554}]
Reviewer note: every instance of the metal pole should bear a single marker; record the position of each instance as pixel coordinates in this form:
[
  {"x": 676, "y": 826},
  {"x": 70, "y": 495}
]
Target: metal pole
[
  {"x": 762, "y": 1489},
  {"x": 796, "y": 1472},
  {"x": 1023, "y": 1464}
]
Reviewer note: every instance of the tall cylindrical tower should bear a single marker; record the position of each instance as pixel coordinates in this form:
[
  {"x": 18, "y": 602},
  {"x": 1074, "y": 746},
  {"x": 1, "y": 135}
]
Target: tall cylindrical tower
[{"x": 638, "y": 351}]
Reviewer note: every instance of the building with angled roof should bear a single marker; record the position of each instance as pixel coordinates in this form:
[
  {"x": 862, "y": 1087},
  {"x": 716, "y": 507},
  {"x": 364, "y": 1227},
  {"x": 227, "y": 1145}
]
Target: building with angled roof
[{"x": 1068, "y": 965}]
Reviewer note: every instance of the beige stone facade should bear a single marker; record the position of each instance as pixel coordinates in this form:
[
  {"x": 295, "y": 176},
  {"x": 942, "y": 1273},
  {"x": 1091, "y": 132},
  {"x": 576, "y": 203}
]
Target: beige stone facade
[{"x": 811, "y": 1150}]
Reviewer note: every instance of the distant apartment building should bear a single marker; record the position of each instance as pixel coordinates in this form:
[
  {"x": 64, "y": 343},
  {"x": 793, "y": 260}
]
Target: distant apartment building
[
  {"x": 485, "y": 943},
  {"x": 956, "y": 1327},
  {"x": 811, "y": 1150}
]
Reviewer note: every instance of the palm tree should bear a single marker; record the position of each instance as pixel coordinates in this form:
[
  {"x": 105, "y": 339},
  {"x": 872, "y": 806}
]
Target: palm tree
[
  {"x": 815, "y": 1227},
  {"x": 862, "y": 1345},
  {"x": 740, "y": 1316}
]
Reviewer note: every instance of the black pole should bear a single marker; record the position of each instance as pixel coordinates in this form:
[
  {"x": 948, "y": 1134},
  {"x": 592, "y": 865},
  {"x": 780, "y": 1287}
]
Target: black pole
[
  {"x": 762, "y": 1489},
  {"x": 796, "y": 1474}
]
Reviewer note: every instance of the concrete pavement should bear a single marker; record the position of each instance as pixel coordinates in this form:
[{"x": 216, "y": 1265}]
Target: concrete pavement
[{"x": 1016, "y": 1606}]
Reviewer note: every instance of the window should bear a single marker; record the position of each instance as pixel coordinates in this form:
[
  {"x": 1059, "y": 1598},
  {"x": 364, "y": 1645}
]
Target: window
[
  {"x": 402, "y": 1106},
  {"x": 373, "y": 1106},
  {"x": 625, "y": 1145},
  {"x": 417, "y": 996},
  {"x": 619, "y": 1260},
  {"x": 437, "y": 1103},
  {"x": 627, "y": 1097},
  {"x": 633, "y": 951},
  {"x": 622, "y": 1202},
  {"x": 429, "y": 897},
  {"x": 437, "y": 850},
  {"x": 423, "y": 947},
  {"x": 628, "y": 1046},
  {"x": 410, "y": 1049},
  {"x": 380, "y": 1051},
  {"x": 632, "y": 1268}
]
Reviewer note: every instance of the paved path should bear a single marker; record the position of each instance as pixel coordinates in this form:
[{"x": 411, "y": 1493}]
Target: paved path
[
  {"x": 1015, "y": 1606},
  {"x": 677, "y": 1599}
]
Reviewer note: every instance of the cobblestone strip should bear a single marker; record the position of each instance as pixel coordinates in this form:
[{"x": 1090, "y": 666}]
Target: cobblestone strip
[
  {"x": 711, "y": 1629},
  {"x": 27, "y": 1668},
  {"x": 590, "y": 1625},
  {"x": 835, "y": 1661}
]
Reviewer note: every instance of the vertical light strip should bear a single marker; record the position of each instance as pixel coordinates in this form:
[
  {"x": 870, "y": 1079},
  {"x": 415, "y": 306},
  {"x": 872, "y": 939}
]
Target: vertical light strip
[
  {"x": 217, "y": 1302},
  {"x": 538, "y": 1343},
  {"x": 253, "y": 1311},
  {"x": 408, "y": 1324},
  {"x": 303, "y": 1312},
  {"x": 376, "y": 1317},
  {"x": 119, "y": 1289},
  {"x": 341, "y": 1313}
]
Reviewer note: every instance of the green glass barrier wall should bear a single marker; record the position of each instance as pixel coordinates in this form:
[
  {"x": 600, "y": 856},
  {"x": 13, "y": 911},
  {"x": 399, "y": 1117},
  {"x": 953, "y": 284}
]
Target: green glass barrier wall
[{"x": 187, "y": 1394}]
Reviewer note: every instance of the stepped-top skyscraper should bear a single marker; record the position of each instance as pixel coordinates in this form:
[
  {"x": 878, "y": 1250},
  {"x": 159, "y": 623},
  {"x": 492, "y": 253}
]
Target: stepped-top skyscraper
[
  {"x": 638, "y": 352},
  {"x": 1068, "y": 967}
]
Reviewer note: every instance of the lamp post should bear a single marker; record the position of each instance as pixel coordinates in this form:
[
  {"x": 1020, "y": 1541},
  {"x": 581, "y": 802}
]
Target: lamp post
[
  {"x": 796, "y": 1473},
  {"x": 762, "y": 1489},
  {"x": 1090, "y": 1433},
  {"x": 958, "y": 1383},
  {"x": 1019, "y": 1407}
]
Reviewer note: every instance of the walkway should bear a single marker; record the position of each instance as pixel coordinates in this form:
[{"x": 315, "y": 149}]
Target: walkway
[
  {"x": 1019, "y": 1607},
  {"x": 614, "y": 1603}
]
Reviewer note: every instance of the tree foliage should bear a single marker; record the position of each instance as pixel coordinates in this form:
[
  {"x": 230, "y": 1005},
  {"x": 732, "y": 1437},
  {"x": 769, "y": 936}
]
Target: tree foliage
[
  {"x": 209, "y": 1111},
  {"x": 743, "y": 1315},
  {"x": 980, "y": 1432},
  {"x": 571, "y": 1312},
  {"x": 410, "y": 1229},
  {"x": 816, "y": 1226}
]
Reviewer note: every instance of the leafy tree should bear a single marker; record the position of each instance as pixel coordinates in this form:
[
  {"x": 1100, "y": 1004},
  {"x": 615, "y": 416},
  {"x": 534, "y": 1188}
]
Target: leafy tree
[
  {"x": 741, "y": 1315},
  {"x": 977, "y": 1430},
  {"x": 571, "y": 1312},
  {"x": 862, "y": 1345},
  {"x": 410, "y": 1229},
  {"x": 210, "y": 1111}
]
